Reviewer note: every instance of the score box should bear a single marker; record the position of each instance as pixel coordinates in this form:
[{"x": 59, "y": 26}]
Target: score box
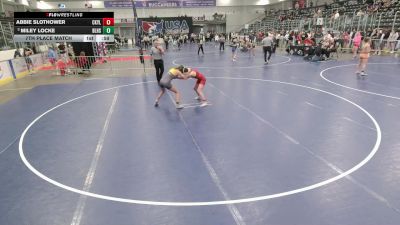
[
  {"x": 89, "y": 38},
  {"x": 108, "y": 30},
  {"x": 108, "y": 21},
  {"x": 105, "y": 38}
]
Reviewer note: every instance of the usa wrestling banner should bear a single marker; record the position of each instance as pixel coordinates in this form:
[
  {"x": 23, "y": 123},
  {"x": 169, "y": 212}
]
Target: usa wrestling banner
[{"x": 165, "y": 25}]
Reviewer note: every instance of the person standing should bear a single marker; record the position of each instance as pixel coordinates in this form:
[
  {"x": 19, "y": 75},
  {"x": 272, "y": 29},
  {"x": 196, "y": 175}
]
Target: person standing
[
  {"x": 52, "y": 56},
  {"x": 234, "y": 46},
  {"x": 252, "y": 48},
  {"x": 201, "y": 42},
  {"x": 222, "y": 43},
  {"x": 141, "y": 55},
  {"x": 216, "y": 39},
  {"x": 392, "y": 40},
  {"x": 27, "y": 53},
  {"x": 146, "y": 41},
  {"x": 62, "y": 52},
  {"x": 364, "y": 55},
  {"x": 267, "y": 48},
  {"x": 166, "y": 41},
  {"x": 356, "y": 44},
  {"x": 157, "y": 53}
]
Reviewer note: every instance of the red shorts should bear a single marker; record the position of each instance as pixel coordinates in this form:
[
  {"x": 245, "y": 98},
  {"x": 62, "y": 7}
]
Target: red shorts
[{"x": 201, "y": 81}]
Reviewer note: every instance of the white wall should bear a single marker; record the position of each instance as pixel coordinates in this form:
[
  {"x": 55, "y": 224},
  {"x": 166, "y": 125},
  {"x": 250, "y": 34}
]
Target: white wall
[
  {"x": 244, "y": 15},
  {"x": 280, "y": 5},
  {"x": 70, "y": 5}
]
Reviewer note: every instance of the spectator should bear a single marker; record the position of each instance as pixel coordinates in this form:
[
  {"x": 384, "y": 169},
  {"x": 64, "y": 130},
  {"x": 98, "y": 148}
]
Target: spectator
[
  {"x": 62, "y": 67},
  {"x": 319, "y": 12},
  {"x": 328, "y": 44},
  {"x": 309, "y": 42},
  {"x": 222, "y": 43},
  {"x": 17, "y": 53},
  {"x": 356, "y": 43},
  {"x": 27, "y": 53},
  {"x": 52, "y": 56},
  {"x": 392, "y": 40},
  {"x": 337, "y": 15},
  {"x": 141, "y": 53},
  {"x": 346, "y": 39},
  {"x": 200, "y": 45},
  {"x": 62, "y": 51},
  {"x": 83, "y": 62}
]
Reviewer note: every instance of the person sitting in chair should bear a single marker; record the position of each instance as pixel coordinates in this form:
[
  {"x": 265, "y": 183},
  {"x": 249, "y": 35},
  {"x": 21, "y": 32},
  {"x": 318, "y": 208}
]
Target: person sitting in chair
[
  {"x": 309, "y": 46},
  {"x": 328, "y": 44}
]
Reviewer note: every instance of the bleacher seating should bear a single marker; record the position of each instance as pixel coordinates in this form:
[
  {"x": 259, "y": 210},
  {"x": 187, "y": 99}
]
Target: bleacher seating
[
  {"x": 7, "y": 31},
  {"x": 304, "y": 19}
]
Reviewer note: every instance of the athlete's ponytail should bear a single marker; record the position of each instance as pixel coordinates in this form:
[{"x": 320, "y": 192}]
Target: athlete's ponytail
[{"x": 180, "y": 68}]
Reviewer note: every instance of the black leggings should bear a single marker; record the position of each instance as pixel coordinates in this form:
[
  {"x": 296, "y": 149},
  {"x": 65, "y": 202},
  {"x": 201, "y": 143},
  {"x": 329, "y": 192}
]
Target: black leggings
[
  {"x": 202, "y": 50},
  {"x": 221, "y": 46},
  {"x": 326, "y": 52},
  {"x": 269, "y": 50},
  {"x": 159, "y": 65}
]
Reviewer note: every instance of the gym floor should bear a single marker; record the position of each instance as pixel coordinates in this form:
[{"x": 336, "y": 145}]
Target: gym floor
[{"x": 291, "y": 142}]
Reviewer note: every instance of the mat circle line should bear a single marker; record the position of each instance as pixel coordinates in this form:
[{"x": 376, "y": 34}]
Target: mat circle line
[
  {"x": 208, "y": 203},
  {"x": 355, "y": 89},
  {"x": 234, "y": 67}
]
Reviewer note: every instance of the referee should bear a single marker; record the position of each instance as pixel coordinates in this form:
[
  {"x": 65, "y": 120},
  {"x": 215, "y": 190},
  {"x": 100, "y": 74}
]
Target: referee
[
  {"x": 157, "y": 53},
  {"x": 267, "y": 47}
]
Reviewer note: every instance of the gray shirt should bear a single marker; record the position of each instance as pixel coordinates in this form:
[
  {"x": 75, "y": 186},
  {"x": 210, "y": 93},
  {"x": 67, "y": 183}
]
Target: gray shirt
[
  {"x": 155, "y": 53},
  {"x": 267, "y": 41}
]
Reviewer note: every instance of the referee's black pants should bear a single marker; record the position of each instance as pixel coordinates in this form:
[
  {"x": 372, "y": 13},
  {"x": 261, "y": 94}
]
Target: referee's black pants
[
  {"x": 267, "y": 49},
  {"x": 200, "y": 48},
  {"x": 159, "y": 65},
  {"x": 222, "y": 46}
]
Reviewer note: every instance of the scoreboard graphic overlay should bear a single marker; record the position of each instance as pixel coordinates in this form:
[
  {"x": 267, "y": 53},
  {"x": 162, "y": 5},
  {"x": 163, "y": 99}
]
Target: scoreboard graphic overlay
[{"x": 64, "y": 26}]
